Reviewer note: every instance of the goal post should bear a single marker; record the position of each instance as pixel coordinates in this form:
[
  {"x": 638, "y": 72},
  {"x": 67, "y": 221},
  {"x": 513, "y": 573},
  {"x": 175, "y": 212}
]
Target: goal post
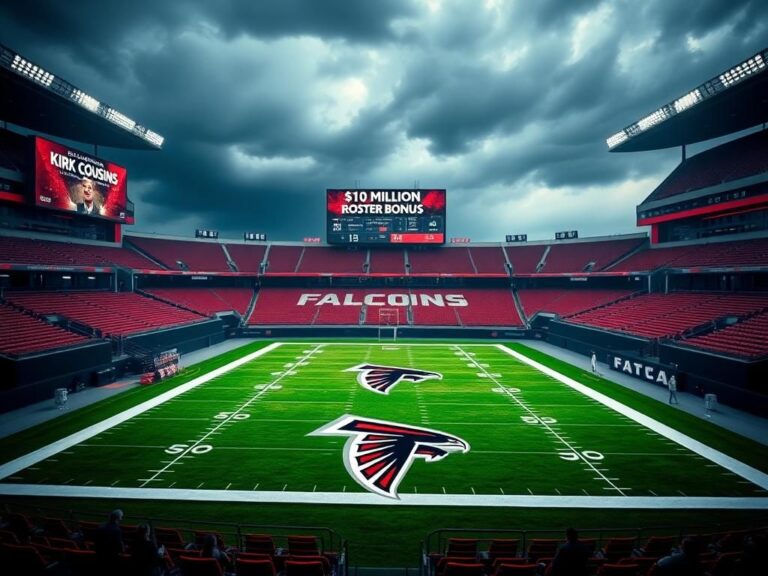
[{"x": 389, "y": 320}]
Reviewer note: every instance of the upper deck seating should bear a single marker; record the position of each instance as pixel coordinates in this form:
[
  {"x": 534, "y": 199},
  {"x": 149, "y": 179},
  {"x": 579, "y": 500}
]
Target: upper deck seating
[
  {"x": 488, "y": 259},
  {"x": 524, "y": 259},
  {"x": 322, "y": 259},
  {"x": 197, "y": 256},
  {"x": 283, "y": 259},
  {"x": 733, "y": 160},
  {"x": 740, "y": 253},
  {"x": 247, "y": 257},
  {"x": 387, "y": 261},
  {"x": 14, "y": 250},
  {"x": 441, "y": 261},
  {"x": 587, "y": 256}
]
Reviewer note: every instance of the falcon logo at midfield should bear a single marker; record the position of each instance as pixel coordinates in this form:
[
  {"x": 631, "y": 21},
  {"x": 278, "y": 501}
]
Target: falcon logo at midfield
[
  {"x": 378, "y": 453},
  {"x": 382, "y": 378}
]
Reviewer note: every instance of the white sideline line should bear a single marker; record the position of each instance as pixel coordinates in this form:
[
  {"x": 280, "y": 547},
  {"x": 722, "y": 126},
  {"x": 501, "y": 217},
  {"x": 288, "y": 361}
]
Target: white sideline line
[
  {"x": 367, "y": 498},
  {"x": 727, "y": 462},
  {"x": 562, "y": 438},
  {"x": 27, "y": 460}
]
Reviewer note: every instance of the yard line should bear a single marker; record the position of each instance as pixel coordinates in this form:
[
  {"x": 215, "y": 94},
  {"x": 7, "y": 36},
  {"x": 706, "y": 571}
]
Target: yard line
[
  {"x": 561, "y": 438},
  {"x": 749, "y": 473},
  {"x": 233, "y": 415},
  {"x": 63, "y": 444}
]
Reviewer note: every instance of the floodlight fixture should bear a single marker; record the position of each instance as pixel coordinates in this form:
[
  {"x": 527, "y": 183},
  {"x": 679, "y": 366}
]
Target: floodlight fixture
[
  {"x": 749, "y": 67},
  {"x": 20, "y": 65},
  {"x": 738, "y": 73},
  {"x": 120, "y": 119},
  {"x": 655, "y": 117},
  {"x": 617, "y": 139},
  {"x": 85, "y": 100},
  {"x": 32, "y": 71},
  {"x": 691, "y": 99},
  {"x": 154, "y": 138}
]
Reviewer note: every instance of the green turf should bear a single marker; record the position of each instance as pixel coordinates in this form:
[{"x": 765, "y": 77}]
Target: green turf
[{"x": 271, "y": 450}]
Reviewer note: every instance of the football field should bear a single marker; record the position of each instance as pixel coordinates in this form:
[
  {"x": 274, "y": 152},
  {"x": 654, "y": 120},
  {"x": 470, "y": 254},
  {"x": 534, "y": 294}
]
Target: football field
[{"x": 392, "y": 423}]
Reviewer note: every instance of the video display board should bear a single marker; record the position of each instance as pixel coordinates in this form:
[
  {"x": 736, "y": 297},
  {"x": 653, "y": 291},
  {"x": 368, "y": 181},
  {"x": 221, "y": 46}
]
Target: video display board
[
  {"x": 382, "y": 217},
  {"x": 75, "y": 181}
]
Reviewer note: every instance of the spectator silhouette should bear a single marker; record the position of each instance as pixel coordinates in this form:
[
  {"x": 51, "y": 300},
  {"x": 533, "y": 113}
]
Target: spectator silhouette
[
  {"x": 684, "y": 563},
  {"x": 571, "y": 558},
  {"x": 211, "y": 549},
  {"x": 108, "y": 542},
  {"x": 147, "y": 558}
]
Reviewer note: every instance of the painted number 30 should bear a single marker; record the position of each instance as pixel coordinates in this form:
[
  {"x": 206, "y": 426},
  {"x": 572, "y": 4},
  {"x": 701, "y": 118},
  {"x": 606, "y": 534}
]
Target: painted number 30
[
  {"x": 588, "y": 454},
  {"x": 538, "y": 420},
  {"x": 179, "y": 448},
  {"x": 225, "y": 415}
]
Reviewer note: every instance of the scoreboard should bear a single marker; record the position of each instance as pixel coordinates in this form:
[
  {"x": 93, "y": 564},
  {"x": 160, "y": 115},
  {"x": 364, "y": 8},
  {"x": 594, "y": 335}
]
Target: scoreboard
[{"x": 385, "y": 216}]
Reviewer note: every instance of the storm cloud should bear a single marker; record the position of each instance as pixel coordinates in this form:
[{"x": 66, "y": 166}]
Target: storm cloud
[{"x": 506, "y": 104}]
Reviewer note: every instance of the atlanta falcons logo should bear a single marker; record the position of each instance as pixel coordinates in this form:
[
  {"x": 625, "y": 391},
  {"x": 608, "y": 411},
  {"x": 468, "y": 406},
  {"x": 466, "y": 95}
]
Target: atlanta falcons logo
[
  {"x": 378, "y": 453},
  {"x": 383, "y": 378}
]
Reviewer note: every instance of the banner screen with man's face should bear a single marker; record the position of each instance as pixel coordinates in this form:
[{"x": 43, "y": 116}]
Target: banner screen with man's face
[{"x": 71, "y": 180}]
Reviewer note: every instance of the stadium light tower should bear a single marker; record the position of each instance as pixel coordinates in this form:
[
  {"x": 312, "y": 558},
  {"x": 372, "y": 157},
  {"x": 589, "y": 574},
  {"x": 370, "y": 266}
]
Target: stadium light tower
[
  {"x": 747, "y": 69},
  {"x": 16, "y": 63}
]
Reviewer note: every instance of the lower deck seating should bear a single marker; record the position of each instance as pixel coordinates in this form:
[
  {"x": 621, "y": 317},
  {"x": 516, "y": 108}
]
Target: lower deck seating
[
  {"x": 21, "y": 333},
  {"x": 746, "y": 339},
  {"x": 109, "y": 313},
  {"x": 207, "y": 301},
  {"x": 565, "y": 302},
  {"x": 670, "y": 315}
]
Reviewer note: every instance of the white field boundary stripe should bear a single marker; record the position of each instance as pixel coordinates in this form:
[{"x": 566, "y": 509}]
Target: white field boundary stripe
[
  {"x": 546, "y": 426},
  {"x": 224, "y": 422},
  {"x": 32, "y": 458},
  {"x": 367, "y": 498},
  {"x": 736, "y": 466}
]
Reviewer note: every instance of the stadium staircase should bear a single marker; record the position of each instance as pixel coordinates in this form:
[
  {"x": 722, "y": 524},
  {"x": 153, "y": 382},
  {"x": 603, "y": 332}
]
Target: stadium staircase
[
  {"x": 265, "y": 260},
  {"x": 230, "y": 261},
  {"x": 145, "y": 254},
  {"x": 301, "y": 257},
  {"x": 637, "y": 250},
  {"x": 367, "y": 263},
  {"x": 165, "y": 300},
  {"x": 519, "y": 308},
  {"x": 543, "y": 262},
  {"x": 472, "y": 260},
  {"x": 251, "y": 307},
  {"x": 507, "y": 263}
]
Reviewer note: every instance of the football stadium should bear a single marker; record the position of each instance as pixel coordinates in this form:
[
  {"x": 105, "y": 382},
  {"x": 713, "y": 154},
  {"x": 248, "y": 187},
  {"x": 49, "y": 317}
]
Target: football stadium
[{"x": 387, "y": 399}]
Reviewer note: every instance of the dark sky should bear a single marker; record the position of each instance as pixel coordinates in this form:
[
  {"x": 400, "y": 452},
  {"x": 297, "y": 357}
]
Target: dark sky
[{"x": 507, "y": 104}]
